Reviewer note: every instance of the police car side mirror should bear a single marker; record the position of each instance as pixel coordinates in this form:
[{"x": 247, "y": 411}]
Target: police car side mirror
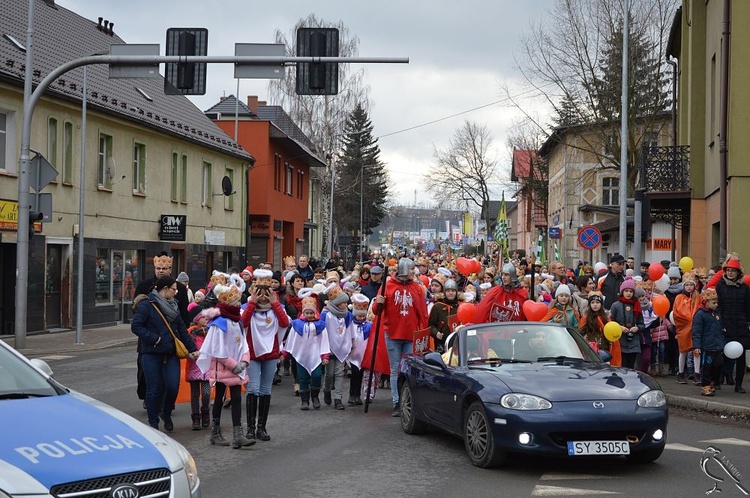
[{"x": 42, "y": 365}]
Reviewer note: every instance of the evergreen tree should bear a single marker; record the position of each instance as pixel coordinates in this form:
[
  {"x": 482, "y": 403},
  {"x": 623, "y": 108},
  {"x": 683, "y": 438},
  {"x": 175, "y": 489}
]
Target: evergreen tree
[{"x": 360, "y": 177}]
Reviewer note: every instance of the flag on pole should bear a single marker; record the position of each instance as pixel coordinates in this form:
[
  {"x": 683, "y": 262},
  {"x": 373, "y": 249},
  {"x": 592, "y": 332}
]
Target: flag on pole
[
  {"x": 557, "y": 252},
  {"x": 540, "y": 253},
  {"x": 501, "y": 230}
]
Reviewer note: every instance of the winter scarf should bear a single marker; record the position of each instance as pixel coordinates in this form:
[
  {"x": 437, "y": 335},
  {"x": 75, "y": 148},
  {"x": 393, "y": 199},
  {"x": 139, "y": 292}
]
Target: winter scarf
[
  {"x": 169, "y": 307},
  {"x": 635, "y": 304},
  {"x": 335, "y": 311},
  {"x": 732, "y": 283},
  {"x": 229, "y": 311}
]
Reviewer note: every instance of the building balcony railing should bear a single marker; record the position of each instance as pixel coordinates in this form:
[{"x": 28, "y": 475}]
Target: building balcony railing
[{"x": 665, "y": 179}]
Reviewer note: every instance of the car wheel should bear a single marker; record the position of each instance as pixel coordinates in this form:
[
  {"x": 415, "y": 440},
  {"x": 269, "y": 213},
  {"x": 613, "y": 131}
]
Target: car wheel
[
  {"x": 409, "y": 422},
  {"x": 646, "y": 456},
  {"x": 478, "y": 439}
]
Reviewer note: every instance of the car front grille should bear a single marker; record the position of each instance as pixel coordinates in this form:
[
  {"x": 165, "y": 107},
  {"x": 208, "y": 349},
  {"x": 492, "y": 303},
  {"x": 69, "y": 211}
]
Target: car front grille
[
  {"x": 150, "y": 483},
  {"x": 562, "y": 438}
]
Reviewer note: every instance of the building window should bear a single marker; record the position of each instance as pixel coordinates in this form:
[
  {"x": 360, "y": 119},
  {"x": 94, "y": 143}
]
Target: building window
[
  {"x": 52, "y": 141},
  {"x": 7, "y": 140},
  {"x": 229, "y": 199},
  {"x": 117, "y": 275},
  {"x": 103, "y": 277},
  {"x": 183, "y": 180},
  {"x": 300, "y": 180},
  {"x": 610, "y": 191},
  {"x": 68, "y": 153},
  {"x": 277, "y": 172},
  {"x": 139, "y": 169},
  {"x": 288, "y": 183},
  {"x": 206, "y": 192},
  {"x": 105, "y": 163},
  {"x": 175, "y": 178}
]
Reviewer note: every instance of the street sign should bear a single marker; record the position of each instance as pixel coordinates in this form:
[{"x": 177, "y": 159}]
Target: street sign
[
  {"x": 317, "y": 78},
  {"x": 186, "y": 78},
  {"x": 589, "y": 237},
  {"x": 42, "y": 173},
  {"x": 134, "y": 70},
  {"x": 555, "y": 232},
  {"x": 270, "y": 71}
]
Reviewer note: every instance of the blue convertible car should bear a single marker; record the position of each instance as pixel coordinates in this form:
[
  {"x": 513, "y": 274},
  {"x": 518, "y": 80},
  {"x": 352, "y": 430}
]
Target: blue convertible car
[{"x": 530, "y": 387}]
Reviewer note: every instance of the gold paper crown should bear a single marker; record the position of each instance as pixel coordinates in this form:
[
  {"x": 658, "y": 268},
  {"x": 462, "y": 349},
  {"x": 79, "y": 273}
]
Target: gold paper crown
[
  {"x": 229, "y": 295},
  {"x": 360, "y": 305},
  {"x": 262, "y": 278},
  {"x": 334, "y": 292},
  {"x": 709, "y": 293},
  {"x": 163, "y": 261},
  {"x": 333, "y": 274},
  {"x": 218, "y": 279},
  {"x": 309, "y": 303},
  {"x": 290, "y": 260},
  {"x": 440, "y": 278}
]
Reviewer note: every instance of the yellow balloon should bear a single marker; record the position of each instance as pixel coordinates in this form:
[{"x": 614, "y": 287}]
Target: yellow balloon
[
  {"x": 612, "y": 331},
  {"x": 686, "y": 264}
]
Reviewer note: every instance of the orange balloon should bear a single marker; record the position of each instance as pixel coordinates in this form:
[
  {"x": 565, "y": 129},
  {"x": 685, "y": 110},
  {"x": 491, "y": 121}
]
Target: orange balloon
[
  {"x": 464, "y": 266},
  {"x": 425, "y": 280},
  {"x": 660, "y": 304},
  {"x": 466, "y": 313},
  {"x": 534, "y": 311},
  {"x": 392, "y": 262}
]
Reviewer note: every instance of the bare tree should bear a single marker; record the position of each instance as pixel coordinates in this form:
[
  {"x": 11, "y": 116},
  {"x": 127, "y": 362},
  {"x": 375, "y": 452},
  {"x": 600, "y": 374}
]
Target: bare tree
[
  {"x": 524, "y": 140},
  {"x": 570, "y": 58},
  {"x": 322, "y": 117},
  {"x": 464, "y": 171}
]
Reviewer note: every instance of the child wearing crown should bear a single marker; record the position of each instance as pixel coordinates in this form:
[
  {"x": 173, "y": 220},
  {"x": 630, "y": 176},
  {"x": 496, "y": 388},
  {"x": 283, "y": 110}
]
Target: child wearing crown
[
  {"x": 360, "y": 332},
  {"x": 307, "y": 342},
  {"x": 337, "y": 318}
]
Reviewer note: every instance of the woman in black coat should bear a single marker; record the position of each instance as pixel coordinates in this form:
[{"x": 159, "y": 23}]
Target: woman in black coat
[
  {"x": 734, "y": 307},
  {"x": 161, "y": 367}
]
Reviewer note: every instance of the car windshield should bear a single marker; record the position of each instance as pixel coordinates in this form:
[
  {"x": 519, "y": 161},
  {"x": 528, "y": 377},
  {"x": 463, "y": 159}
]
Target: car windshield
[
  {"x": 525, "y": 342},
  {"x": 20, "y": 380}
]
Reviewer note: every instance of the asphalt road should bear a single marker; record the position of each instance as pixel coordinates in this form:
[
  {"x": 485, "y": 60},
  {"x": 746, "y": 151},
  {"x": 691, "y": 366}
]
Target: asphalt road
[{"x": 331, "y": 453}]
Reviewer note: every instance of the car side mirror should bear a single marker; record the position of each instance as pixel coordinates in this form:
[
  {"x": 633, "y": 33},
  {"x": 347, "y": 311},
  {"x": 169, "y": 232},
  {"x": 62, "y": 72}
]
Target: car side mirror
[
  {"x": 42, "y": 365},
  {"x": 435, "y": 360}
]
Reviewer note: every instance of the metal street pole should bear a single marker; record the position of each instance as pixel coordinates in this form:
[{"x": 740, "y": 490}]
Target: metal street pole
[
  {"x": 330, "y": 209},
  {"x": 81, "y": 213},
  {"x": 361, "y": 211},
  {"x": 624, "y": 135}
]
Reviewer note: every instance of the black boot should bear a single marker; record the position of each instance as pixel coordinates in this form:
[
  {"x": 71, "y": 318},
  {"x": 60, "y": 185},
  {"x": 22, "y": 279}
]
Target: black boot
[
  {"x": 305, "y": 397},
  {"x": 252, "y": 407},
  {"x": 205, "y": 417},
  {"x": 216, "y": 437},
  {"x": 264, "y": 404},
  {"x": 168, "y": 424},
  {"x": 315, "y": 393},
  {"x": 196, "y": 418}
]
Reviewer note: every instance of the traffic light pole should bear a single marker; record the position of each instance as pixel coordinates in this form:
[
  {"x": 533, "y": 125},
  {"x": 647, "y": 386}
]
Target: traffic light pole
[{"x": 31, "y": 99}]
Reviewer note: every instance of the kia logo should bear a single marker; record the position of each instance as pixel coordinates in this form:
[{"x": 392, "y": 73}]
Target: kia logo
[
  {"x": 125, "y": 491},
  {"x": 598, "y": 405}
]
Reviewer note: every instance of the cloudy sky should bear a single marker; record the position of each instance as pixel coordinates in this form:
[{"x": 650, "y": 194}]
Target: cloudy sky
[{"x": 461, "y": 54}]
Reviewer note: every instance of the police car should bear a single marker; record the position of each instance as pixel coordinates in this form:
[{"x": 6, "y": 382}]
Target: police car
[{"x": 55, "y": 442}]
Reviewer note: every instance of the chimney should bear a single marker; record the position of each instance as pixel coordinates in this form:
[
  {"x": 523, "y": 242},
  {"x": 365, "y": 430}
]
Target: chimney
[
  {"x": 252, "y": 103},
  {"x": 99, "y": 26},
  {"x": 111, "y": 29},
  {"x": 106, "y": 28}
]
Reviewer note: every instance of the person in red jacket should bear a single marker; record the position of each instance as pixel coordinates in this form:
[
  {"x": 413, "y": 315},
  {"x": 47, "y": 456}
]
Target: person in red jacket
[
  {"x": 503, "y": 303},
  {"x": 405, "y": 310},
  {"x": 266, "y": 322}
]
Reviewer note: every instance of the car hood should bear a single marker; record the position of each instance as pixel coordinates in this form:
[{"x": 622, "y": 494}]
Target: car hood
[
  {"x": 573, "y": 382},
  {"x": 61, "y": 439}
]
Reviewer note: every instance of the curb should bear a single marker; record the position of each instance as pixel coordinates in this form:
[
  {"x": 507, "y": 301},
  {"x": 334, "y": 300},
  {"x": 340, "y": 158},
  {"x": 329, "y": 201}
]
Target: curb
[
  {"x": 705, "y": 405},
  {"x": 78, "y": 348}
]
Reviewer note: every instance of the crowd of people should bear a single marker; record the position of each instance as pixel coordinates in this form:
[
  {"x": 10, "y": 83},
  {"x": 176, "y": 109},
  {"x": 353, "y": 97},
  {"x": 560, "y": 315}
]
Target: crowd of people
[{"x": 249, "y": 327}]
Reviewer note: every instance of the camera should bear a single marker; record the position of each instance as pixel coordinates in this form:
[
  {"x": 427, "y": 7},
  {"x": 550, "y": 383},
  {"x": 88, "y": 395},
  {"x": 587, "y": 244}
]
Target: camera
[{"x": 630, "y": 336}]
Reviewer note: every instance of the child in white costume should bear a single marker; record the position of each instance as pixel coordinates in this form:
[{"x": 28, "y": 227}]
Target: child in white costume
[
  {"x": 307, "y": 342},
  {"x": 337, "y": 318},
  {"x": 360, "y": 332}
]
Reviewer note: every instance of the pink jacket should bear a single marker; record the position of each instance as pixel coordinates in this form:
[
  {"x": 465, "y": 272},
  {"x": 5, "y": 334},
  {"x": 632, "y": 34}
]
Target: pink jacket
[
  {"x": 192, "y": 372},
  {"x": 221, "y": 371}
]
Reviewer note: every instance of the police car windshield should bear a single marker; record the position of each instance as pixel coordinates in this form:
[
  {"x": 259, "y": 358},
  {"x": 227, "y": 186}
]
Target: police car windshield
[{"x": 18, "y": 379}]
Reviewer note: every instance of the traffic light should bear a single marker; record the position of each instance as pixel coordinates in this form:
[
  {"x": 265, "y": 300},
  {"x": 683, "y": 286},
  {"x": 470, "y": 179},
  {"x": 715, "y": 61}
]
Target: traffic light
[
  {"x": 183, "y": 78},
  {"x": 34, "y": 216}
]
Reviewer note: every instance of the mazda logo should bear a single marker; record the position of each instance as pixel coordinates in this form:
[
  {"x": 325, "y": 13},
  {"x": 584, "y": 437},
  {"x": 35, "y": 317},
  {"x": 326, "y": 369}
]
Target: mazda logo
[
  {"x": 124, "y": 491},
  {"x": 598, "y": 405}
]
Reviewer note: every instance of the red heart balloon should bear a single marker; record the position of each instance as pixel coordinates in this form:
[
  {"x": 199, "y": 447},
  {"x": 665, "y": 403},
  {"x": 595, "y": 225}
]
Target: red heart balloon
[
  {"x": 533, "y": 311},
  {"x": 475, "y": 266},
  {"x": 466, "y": 313},
  {"x": 464, "y": 266}
]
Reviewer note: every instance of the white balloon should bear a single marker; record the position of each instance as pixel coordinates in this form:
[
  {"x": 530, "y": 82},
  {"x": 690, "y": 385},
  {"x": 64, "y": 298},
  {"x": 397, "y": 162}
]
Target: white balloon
[
  {"x": 733, "y": 350},
  {"x": 671, "y": 317},
  {"x": 663, "y": 283}
]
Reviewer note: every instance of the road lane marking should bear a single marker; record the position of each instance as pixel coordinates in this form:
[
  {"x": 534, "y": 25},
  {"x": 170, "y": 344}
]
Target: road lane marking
[
  {"x": 728, "y": 440},
  {"x": 541, "y": 490},
  {"x": 683, "y": 447},
  {"x": 55, "y": 357},
  {"x": 570, "y": 477}
]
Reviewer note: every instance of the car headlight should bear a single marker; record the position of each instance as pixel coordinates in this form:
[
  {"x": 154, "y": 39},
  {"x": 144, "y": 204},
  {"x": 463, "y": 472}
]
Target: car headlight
[
  {"x": 652, "y": 399},
  {"x": 515, "y": 401},
  {"x": 191, "y": 470}
]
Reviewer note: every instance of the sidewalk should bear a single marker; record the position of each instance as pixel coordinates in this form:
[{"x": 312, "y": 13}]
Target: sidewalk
[{"x": 726, "y": 402}]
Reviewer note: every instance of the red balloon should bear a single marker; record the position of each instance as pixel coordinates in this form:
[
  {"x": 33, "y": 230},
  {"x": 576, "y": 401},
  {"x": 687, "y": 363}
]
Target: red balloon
[
  {"x": 534, "y": 311},
  {"x": 655, "y": 271},
  {"x": 425, "y": 280},
  {"x": 660, "y": 304},
  {"x": 476, "y": 266},
  {"x": 464, "y": 266},
  {"x": 466, "y": 313}
]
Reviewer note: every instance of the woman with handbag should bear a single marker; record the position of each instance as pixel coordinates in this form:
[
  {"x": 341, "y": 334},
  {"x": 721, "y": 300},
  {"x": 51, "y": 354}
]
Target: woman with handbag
[{"x": 164, "y": 340}]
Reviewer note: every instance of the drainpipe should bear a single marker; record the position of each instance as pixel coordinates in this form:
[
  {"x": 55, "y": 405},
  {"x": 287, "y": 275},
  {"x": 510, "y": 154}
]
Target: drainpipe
[
  {"x": 674, "y": 141},
  {"x": 723, "y": 176}
]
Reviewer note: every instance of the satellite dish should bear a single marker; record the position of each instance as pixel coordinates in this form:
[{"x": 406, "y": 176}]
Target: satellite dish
[
  {"x": 111, "y": 168},
  {"x": 226, "y": 186}
]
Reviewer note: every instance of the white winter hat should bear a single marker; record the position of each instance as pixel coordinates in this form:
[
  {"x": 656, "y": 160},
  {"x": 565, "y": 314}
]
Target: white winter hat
[{"x": 562, "y": 289}]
